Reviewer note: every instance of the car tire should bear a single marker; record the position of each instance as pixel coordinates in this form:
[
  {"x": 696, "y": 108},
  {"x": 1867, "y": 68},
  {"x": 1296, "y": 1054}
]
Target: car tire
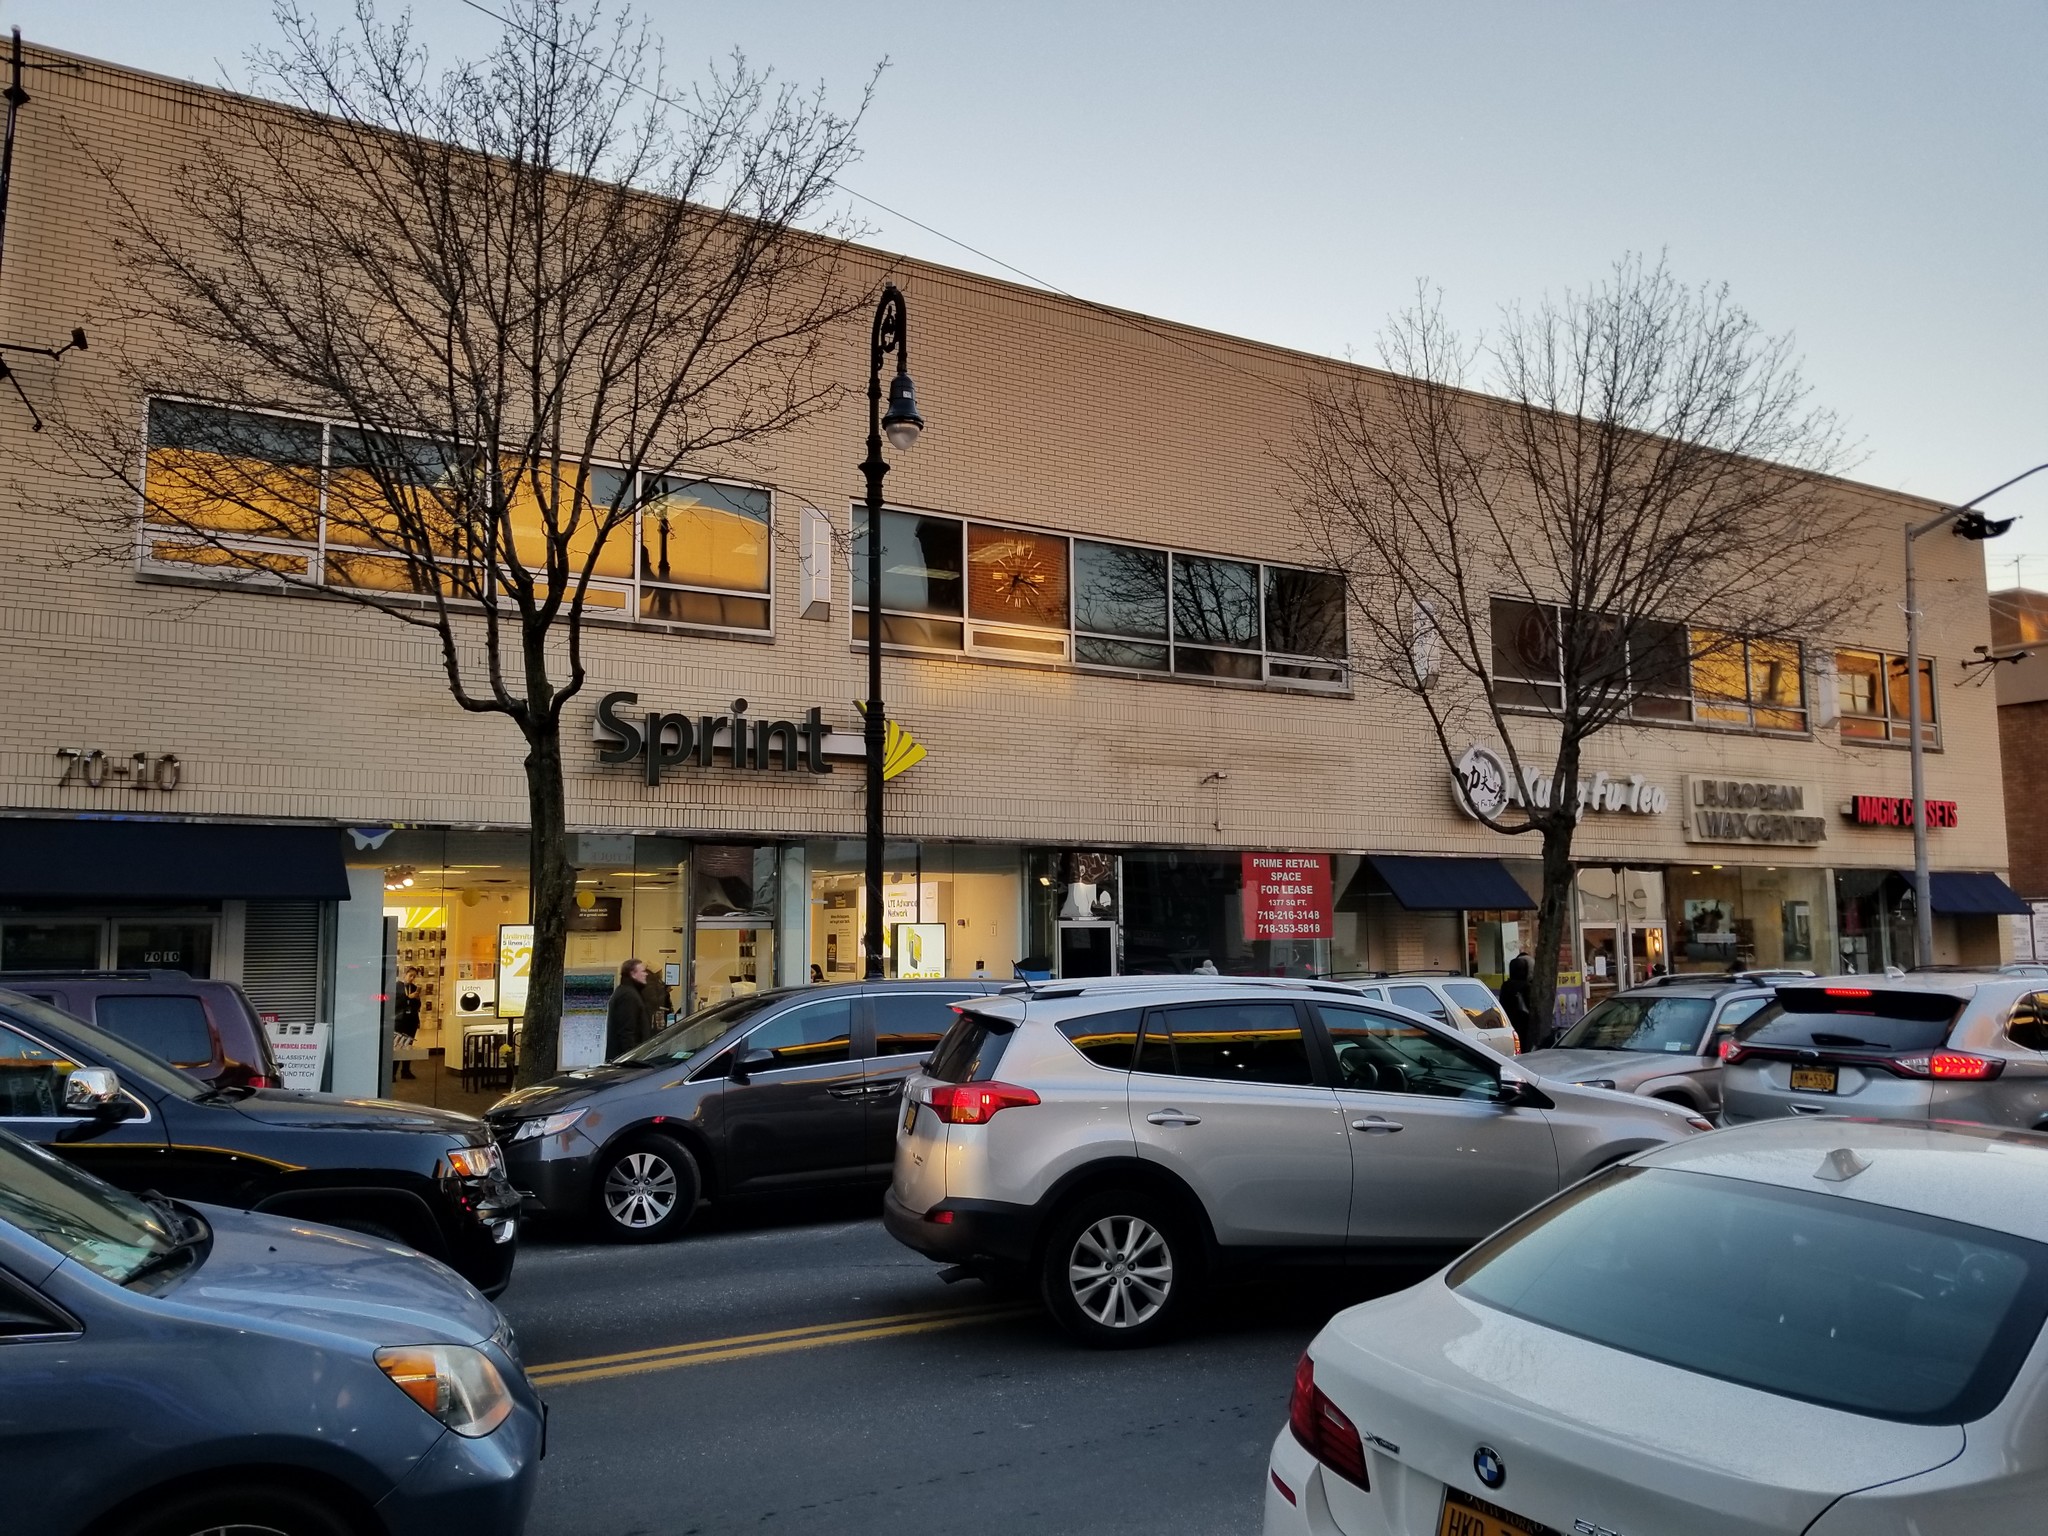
[
  {"x": 1118, "y": 1269},
  {"x": 248, "y": 1511},
  {"x": 646, "y": 1191}
]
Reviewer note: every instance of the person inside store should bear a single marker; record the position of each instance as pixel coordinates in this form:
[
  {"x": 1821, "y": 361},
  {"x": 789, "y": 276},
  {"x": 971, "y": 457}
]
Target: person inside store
[
  {"x": 626, "y": 1023},
  {"x": 1518, "y": 1000},
  {"x": 405, "y": 1022},
  {"x": 659, "y": 1000}
]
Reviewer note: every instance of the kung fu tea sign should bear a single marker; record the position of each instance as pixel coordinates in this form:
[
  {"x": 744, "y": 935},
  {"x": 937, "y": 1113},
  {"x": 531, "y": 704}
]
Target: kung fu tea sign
[{"x": 1287, "y": 896}]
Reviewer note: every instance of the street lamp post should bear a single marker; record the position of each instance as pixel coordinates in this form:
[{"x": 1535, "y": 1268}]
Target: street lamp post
[
  {"x": 1968, "y": 524},
  {"x": 902, "y": 425}
]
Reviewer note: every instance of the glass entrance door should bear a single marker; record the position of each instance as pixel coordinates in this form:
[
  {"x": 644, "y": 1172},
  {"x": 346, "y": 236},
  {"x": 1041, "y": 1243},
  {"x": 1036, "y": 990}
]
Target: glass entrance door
[
  {"x": 1600, "y": 943},
  {"x": 730, "y": 960}
]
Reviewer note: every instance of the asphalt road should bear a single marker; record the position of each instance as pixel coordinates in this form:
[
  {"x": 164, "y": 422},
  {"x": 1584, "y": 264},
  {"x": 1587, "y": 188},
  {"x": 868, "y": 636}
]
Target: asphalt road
[{"x": 797, "y": 1370}]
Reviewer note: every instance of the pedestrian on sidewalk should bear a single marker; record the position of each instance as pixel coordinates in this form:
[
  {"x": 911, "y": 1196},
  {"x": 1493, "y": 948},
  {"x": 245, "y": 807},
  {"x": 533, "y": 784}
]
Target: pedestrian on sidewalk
[
  {"x": 405, "y": 1022},
  {"x": 1518, "y": 999},
  {"x": 626, "y": 1023}
]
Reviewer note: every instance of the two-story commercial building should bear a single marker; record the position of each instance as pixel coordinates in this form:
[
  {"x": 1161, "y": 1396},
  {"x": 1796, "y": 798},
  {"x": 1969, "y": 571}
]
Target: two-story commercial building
[{"x": 1147, "y": 747}]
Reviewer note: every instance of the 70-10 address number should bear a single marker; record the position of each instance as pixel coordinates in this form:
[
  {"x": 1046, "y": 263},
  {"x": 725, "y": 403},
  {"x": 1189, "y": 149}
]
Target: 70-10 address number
[{"x": 140, "y": 770}]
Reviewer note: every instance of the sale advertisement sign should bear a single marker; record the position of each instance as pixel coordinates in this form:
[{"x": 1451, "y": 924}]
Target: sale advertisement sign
[{"x": 1287, "y": 896}]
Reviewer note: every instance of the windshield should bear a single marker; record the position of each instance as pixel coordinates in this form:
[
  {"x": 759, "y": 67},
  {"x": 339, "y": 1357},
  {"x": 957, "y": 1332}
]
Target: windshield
[
  {"x": 1841, "y": 1302},
  {"x": 1672, "y": 1024},
  {"x": 111, "y": 1233},
  {"x": 132, "y": 1065},
  {"x": 690, "y": 1037}
]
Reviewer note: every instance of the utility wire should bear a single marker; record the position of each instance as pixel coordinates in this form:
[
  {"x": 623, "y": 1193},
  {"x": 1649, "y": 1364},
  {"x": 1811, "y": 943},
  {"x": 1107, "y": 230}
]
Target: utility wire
[{"x": 1122, "y": 317}]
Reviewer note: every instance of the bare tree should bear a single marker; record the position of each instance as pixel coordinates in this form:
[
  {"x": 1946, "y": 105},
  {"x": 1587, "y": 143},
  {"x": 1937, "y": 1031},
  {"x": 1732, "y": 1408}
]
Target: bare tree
[
  {"x": 1631, "y": 524},
  {"x": 465, "y": 323}
]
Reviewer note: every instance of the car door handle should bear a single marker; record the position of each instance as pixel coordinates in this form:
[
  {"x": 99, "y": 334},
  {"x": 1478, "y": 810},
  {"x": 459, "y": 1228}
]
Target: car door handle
[
  {"x": 1172, "y": 1117},
  {"x": 1376, "y": 1123},
  {"x": 858, "y": 1090}
]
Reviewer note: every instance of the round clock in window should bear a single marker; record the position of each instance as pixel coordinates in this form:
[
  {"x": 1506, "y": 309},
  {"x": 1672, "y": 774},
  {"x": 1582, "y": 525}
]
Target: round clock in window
[{"x": 1018, "y": 578}]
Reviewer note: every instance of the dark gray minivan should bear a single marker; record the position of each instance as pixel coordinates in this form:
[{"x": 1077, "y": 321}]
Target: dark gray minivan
[{"x": 774, "y": 1092}]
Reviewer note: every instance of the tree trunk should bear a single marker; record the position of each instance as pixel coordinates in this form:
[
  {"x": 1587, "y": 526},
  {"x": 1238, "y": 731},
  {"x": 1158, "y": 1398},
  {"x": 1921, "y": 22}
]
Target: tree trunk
[
  {"x": 553, "y": 880},
  {"x": 1559, "y": 821}
]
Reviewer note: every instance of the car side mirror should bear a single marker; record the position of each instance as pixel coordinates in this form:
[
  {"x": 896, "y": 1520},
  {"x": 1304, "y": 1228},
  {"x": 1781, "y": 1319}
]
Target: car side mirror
[
  {"x": 1516, "y": 1089},
  {"x": 92, "y": 1091},
  {"x": 747, "y": 1063}
]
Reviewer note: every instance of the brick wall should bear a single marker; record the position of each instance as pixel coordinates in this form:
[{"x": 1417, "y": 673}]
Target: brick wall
[
  {"x": 296, "y": 708},
  {"x": 2023, "y": 747}
]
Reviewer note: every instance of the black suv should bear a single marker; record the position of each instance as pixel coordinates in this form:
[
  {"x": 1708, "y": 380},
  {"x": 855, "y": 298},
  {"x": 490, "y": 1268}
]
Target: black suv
[
  {"x": 778, "y": 1091},
  {"x": 425, "y": 1177},
  {"x": 203, "y": 1027}
]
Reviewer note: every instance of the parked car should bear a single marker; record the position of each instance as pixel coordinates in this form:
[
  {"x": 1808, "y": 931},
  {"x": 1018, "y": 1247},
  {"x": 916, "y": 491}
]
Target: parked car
[
  {"x": 169, "y": 1369},
  {"x": 1464, "y": 1002},
  {"x": 429, "y": 1178},
  {"x": 765, "y": 1094},
  {"x": 1663, "y": 1041},
  {"x": 1952, "y": 1045},
  {"x": 203, "y": 1027},
  {"x": 1827, "y": 1327},
  {"x": 1114, "y": 1140}
]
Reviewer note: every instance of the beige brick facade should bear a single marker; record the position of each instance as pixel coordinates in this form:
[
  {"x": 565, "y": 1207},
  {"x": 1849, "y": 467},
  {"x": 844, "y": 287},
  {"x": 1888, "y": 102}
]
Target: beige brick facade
[{"x": 295, "y": 709}]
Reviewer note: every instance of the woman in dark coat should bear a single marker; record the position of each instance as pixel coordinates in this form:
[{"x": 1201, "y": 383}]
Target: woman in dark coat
[
  {"x": 1518, "y": 999},
  {"x": 626, "y": 1022}
]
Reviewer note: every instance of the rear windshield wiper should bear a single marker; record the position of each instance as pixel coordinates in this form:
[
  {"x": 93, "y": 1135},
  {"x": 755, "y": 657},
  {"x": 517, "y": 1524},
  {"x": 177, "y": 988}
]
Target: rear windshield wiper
[{"x": 1822, "y": 1037}]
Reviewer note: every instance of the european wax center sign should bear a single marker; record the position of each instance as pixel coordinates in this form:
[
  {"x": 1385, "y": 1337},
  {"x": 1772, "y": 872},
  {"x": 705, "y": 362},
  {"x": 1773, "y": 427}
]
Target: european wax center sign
[
  {"x": 1286, "y": 896},
  {"x": 1752, "y": 811}
]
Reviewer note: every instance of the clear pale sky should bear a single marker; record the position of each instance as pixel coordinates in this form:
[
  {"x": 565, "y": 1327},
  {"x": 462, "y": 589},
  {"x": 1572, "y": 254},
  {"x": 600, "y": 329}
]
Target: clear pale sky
[{"x": 1866, "y": 174}]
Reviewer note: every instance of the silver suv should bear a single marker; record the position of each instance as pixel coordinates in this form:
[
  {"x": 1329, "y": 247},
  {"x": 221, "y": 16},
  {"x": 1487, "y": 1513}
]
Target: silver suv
[
  {"x": 1923, "y": 1046},
  {"x": 1114, "y": 1140}
]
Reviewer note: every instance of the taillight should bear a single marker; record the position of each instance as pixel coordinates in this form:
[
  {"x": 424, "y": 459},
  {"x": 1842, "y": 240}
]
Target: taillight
[
  {"x": 1955, "y": 1066},
  {"x": 1846, "y": 991},
  {"x": 977, "y": 1103},
  {"x": 1729, "y": 1049},
  {"x": 1322, "y": 1429},
  {"x": 258, "y": 1080}
]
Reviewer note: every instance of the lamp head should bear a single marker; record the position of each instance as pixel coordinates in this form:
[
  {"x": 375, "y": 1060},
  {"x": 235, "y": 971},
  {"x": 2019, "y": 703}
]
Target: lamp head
[
  {"x": 1976, "y": 526},
  {"x": 902, "y": 424}
]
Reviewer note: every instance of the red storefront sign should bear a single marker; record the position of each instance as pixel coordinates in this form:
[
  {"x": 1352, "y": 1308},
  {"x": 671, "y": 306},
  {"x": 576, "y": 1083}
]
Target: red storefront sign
[
  {"x": 1897, "y": 811},
  {"x": 1287, "y": 896}
]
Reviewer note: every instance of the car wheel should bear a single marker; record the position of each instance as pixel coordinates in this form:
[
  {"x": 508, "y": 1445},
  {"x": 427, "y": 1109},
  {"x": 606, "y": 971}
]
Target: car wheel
[
  {"x": 240, "y": 1512},
  {"x": 1118, "y": 1269},
  {"x": 647, "y": 1191}
]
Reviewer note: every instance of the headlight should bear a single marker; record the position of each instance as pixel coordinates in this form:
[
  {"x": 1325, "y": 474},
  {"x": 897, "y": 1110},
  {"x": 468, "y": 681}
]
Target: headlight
[
  {"x": 546, "y": 1125},
  {"x": 456, "y": 1384},
  {"x": 485, "y": 1162}
]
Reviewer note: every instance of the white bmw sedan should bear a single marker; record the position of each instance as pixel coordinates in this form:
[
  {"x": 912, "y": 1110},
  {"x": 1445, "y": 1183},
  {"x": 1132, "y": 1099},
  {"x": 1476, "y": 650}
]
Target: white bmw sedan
[{"x": 1828, "y": 1327}]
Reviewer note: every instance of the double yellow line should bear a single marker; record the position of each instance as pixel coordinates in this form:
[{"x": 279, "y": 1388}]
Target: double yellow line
[{"x": 746, "y": 1346}]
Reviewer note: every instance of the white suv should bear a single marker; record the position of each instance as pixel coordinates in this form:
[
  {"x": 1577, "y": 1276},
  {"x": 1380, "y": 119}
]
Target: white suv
[{"x": 1115, "y": 1140}]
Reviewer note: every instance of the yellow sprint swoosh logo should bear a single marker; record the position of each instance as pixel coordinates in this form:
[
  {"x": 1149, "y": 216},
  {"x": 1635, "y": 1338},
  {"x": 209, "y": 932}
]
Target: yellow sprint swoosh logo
[{"x": 901, "y": 751}]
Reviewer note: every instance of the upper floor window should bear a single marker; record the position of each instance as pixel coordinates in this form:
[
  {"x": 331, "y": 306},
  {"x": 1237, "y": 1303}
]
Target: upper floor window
[
  {"x": 1665, "y": 671},
  {"x": 953, "y": 585},
  {"x": 243, "y": 494},
  {"x": 1873, "y": 697}
]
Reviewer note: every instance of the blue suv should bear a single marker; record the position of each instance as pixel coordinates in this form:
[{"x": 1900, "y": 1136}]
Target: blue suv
[{"x": 171, "y": 1370}]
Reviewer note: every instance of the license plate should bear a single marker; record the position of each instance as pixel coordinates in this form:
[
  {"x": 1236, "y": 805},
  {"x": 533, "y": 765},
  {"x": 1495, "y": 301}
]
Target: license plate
[
  {"x": 1813, "y": 1079},
  {"x": 909, "y": 1116},
  {"x": 1466, "y": 1516}
]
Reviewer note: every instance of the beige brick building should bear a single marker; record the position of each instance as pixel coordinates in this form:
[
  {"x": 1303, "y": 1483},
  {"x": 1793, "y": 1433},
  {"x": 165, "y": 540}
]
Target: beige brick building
[{"x": 1087, "y": 800}]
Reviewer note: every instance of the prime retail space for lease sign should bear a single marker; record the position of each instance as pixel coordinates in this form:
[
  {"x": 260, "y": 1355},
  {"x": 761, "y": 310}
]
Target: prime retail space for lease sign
[{"x": 1287, "y": 896}]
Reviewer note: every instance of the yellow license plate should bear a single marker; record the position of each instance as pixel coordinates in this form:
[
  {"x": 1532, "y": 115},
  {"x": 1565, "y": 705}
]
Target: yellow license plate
[
  {"x": 1466, "y": 1516},
  {"x": 909, "y": 1115},
  {"x": 1813, "y": 1079}
]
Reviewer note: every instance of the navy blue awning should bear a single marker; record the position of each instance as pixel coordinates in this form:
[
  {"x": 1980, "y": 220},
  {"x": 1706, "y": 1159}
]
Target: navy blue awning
[
  {"x": 1969, "y": 893},
  {"x": 1426, "y": 883},
  {"x": 169, "y": 861}
]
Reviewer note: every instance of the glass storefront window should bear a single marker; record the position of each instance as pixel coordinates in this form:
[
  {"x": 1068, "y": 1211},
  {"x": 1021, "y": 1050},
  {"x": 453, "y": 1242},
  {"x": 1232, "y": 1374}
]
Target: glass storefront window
[
  {"x": 969, "y": 892},
  {"x": 186, "y": 947},
  {"x": 1747, "y": 917},
  {"x": 50, "y": 946},
  {"x": 1183, "y": 912}
]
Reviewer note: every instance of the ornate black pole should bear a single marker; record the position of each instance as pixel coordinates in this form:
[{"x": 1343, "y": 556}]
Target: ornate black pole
[{"x": 902, "y": 424}]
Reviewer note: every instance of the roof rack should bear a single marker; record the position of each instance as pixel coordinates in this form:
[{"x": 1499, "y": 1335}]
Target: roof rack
[
  {"x": 1080, "y": 985},
  {"x": 1391, "y": 975},
  {"x": 1712, "y": 978}
]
